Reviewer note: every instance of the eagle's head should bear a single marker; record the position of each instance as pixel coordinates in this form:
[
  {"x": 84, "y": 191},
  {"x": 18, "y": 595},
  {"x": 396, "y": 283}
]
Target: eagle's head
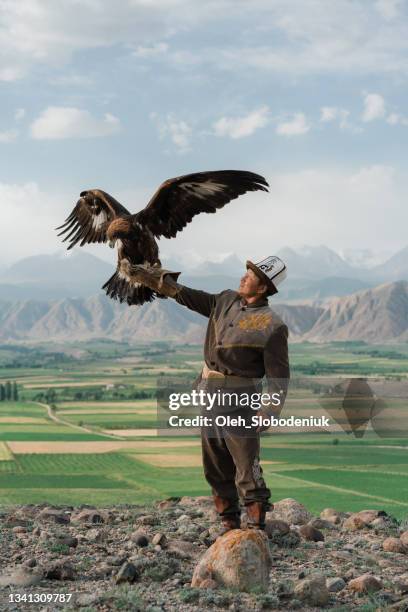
[{"x": 119, "y": 228}]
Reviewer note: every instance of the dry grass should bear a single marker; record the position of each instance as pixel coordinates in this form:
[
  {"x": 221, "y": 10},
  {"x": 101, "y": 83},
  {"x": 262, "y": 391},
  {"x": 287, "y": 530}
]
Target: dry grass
[
  {"x": 90, "y": 383},
  {"x": 39, "y": 421},
  {"x": 106, "y": 411},
  {"x": 5, "y": 454},
  {"x": 169, "y": 460},
  {"x": 126, "y": 433},
  {"x": 103, "y": 405},
  {"x": 57, "y": 447}
]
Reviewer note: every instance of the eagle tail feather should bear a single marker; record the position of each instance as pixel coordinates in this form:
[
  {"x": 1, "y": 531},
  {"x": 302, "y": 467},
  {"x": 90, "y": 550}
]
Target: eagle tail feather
[{"x": 118, "y": 288}]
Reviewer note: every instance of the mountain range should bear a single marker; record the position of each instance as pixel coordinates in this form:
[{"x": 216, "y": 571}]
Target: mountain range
[
  {"x": 375, "y": 315},
  {"x": 314, "y": 275}
]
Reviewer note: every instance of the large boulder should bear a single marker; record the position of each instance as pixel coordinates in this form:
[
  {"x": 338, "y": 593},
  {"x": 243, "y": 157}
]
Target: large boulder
[
  {"x": 365, "y": 584},
  {"x": 291, "y": 511},
  {"x": 239, "y": 559}
]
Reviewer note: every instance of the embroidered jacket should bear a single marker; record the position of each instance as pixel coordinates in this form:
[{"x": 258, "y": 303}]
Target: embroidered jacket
[{"x": 248, "y": 340}]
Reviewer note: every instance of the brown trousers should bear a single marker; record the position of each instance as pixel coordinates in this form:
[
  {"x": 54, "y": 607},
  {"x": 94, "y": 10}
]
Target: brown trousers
[{"x": 232, "y": 469}]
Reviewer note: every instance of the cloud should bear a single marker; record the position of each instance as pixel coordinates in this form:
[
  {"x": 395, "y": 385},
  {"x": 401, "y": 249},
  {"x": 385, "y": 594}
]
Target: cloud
[
  {"x": 62, "y": 122},
  {"x": 152, "y": 51},
  {"x": 333, "y": 113},
  {"x": 239, "y": 127},
  {"x": 297, "y": 126},
  {"x": 8, "y": 136},
  {"x": 178, "y": 130},
  {"x": 397, "y": 119},
  {"x": 374, "y": 107},
  {"x": 19, "y": 114},
  {"x": 389, "y": 9}
]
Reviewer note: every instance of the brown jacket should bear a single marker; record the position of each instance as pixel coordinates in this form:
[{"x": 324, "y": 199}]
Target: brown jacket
[{"x": 248, "y": 340}]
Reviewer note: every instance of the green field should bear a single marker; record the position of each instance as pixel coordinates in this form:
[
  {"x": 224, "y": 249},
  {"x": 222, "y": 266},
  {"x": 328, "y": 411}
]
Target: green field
[{"x": 110, "y": 386}]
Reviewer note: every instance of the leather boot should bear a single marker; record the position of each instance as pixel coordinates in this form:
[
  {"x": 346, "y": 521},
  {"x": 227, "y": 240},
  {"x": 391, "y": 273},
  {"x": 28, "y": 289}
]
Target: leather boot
[
  {"x": 256, "y": 515},
  {"x": 229, "y": 513}
]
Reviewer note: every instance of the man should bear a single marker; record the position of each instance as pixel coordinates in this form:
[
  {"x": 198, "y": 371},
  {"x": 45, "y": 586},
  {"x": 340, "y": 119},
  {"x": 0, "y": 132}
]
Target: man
[{"x": 245, "y": 341}]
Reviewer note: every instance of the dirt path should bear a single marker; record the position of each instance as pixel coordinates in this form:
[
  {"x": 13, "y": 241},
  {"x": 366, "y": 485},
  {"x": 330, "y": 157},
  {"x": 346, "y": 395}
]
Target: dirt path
[{"x": 51, "y": 414}]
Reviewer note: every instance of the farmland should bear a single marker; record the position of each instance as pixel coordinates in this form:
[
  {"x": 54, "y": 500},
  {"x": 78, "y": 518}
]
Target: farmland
[{"x": 84, "y": 429}]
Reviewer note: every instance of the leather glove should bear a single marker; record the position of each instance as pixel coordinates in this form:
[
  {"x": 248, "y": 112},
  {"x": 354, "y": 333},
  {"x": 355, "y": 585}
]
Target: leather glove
[{"x": 158, "y": 279}]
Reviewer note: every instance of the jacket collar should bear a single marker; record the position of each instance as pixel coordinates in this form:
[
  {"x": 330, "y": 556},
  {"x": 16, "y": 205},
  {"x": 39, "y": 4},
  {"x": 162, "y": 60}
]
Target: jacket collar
[{"x": 258, "y": 304}]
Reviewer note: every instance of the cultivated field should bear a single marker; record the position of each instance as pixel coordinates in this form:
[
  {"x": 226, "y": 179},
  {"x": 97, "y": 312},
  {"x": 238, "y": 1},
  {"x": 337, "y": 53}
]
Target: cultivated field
[{"x": 84, "y": 430}]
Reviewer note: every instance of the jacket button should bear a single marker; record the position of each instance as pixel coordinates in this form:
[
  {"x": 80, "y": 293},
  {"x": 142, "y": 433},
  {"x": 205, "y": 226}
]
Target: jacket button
[{"x": 231, "y": 325}]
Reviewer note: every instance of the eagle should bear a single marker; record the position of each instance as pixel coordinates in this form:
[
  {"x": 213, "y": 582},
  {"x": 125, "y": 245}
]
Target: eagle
[{"x": 98, "y": 217}]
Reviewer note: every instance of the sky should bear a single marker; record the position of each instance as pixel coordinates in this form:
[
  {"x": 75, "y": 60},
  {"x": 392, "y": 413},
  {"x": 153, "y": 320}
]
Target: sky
[{"x": 123, "y": 95}]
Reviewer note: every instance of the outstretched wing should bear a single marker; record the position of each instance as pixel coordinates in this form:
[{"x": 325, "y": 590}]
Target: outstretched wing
[
  {"x": 91, "y": 217},
  {"x": 178, "y": 200}
]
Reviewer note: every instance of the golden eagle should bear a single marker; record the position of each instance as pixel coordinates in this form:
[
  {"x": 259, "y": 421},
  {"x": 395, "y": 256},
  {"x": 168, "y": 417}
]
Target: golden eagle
[{"x": 98, "y": 217}]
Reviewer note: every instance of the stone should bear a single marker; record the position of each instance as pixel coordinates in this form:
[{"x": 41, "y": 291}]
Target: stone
[
  {"x": 54, "y": 516},
  {"x": 139, "y": 538},
  {"x": 366, "y": 583},
  {"x": 319, "y": 523},
  {"x": 334, "y": 585},
  {"x": 290, "y": 511},
  {"x": 89, "y": 515},
  {"x": 394, "y": 545},
  {"x": 20, "y": 577},
  {"x": 275, "y": 527},
  {"x": 208, "y": 583},
  {"x": 168, "y": 503},
  {"x": 59, "y": 570},
  {"x": 333, "y": 516},
  {"x": 19, "y": 529},
  {"x": 147, "y": 519},
  {"x": 311, "y": 533},
  {"x": 313, "y": 590},
  {"x": 68, "y": 540},
  {"x": 159, "y": 539},
  {"x": 368, "y": 516},
  {"x": 96, "y": 535},
  {"x": 240, "y": 559},
  {"x": 32, "y": 562},
  {"x": 404, "y": 538},
  {"x": 183, "y": 549},
  {"x": 127, "y": 573},
  {"x": 353, "y": 523}
]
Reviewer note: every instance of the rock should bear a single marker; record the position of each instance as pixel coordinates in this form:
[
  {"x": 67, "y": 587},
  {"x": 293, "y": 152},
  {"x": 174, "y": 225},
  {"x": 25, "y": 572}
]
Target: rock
[
  {"x": 334, "y": 585},
  {"x": 160, "y": 539},
  {"x": 54, "y": 516},
  {"x": 96, "y": 535},
  {"x": 333, "y": 516},
  {"x": 404, "y": 538},
  {"x": 20, "y": 577},
  {"x": 368, "y": 516},
  {"x": 353, "y": 523},
  {"x": 168, "y": 503},
  {"x": 394, "y": 545},
  {"x": 59, "y": 570},
  {"x": 319, "y": 523},
  {"x": 68, "y": 540},
  {"x": 127, "y": 573},
  {"x": 116, "y": 560},
  {"x": 147, "y": 519},
  {"x": 365, "y": 584},
  {"x": 19, "y": 529},
  {"x": 32, "y": 562},
  {"x": 311, "y": 533},
  {"x": 275, "y": 527},
  {"x": 239, "y": 559},
  {"x": 89, "y": 515},
  {"x": 208, "y": 583},
  {"x": 139, "y": 538},
  {"x": 183, "y": 549},
  {"x": 313, "y": 590},
  {"x": 290, "y": 511}
]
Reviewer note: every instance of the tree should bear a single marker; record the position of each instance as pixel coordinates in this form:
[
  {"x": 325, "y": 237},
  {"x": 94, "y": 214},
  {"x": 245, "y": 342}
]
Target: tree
[
  {"x": 50, "y": 396},
  {"x": 2, "y": 393},
  {"x": 15, "y": 392},
  {"x": 8, "y": 390}
]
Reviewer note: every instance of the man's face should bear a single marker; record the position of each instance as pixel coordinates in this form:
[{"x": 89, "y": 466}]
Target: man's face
[{"x": 251, "y": 285}]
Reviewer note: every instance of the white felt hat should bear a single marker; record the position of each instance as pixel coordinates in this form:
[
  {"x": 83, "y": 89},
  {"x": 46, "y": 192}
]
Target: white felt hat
[{"x": 271, "y": 270}]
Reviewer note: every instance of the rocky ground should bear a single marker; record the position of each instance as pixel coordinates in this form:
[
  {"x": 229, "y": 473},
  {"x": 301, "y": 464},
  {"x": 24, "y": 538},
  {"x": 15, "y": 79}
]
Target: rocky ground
[{"x": 144, "y": 558}]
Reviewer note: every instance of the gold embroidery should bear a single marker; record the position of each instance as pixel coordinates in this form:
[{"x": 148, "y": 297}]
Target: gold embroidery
[{"x": 255, "y": 321}]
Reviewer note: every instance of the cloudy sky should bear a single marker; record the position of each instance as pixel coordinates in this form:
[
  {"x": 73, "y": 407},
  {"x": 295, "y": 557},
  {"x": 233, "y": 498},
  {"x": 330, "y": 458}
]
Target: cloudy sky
[{"x": 122, "y": 95}]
